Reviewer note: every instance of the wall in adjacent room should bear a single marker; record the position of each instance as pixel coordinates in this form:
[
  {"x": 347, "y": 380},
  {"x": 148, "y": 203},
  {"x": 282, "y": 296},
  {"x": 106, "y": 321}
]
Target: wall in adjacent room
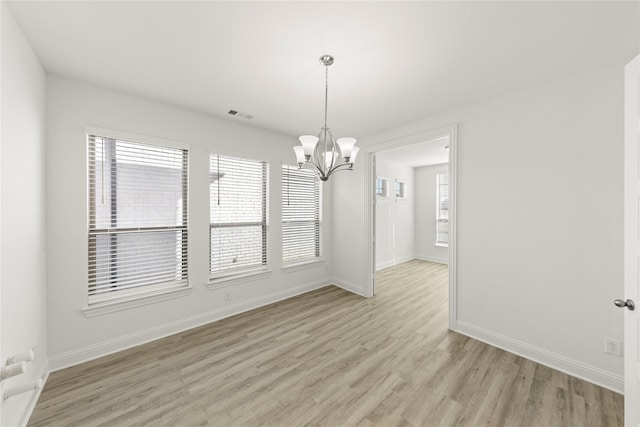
[
  {"x": 426, "y": 205},
  {"x": 72, "y": 105},
  {"x": 395, "y": 230},
  {"x": 23, "y": 285}
]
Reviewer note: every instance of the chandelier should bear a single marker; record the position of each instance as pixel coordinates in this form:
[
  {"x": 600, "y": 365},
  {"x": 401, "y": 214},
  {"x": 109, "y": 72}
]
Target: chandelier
[{"x": 323, "y": 153}]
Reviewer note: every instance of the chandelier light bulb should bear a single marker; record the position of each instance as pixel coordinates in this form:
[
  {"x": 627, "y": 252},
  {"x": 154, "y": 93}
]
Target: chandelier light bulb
[
  {"x": 299, "y": 155},
  {"x": 354, "y": 153},
  {"x": 308, "y": 144},
  {"x": 346, "y": 147}
]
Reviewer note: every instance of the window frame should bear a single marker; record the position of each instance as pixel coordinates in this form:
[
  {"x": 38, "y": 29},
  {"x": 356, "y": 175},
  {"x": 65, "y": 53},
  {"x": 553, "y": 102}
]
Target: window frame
[
  {"x": 104, "y": 303},
  {"x": 439, "y": 218},
  {"x": 401, "y": 189},
  {"x": 298, "y": 263},
  {"x": 384, "y": 194},
  {"x": 227, "y": 277}
]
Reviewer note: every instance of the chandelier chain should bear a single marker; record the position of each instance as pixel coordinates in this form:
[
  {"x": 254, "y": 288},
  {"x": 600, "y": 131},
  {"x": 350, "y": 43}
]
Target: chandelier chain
[{"x": 326, "y": 92}]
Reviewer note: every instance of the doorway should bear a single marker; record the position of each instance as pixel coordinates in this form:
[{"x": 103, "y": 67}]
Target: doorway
[{"x": 397, "y": 193}]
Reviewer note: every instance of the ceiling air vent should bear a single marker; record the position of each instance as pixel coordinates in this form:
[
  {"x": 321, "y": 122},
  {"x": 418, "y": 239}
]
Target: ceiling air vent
[{"x": 239, "y": 114}]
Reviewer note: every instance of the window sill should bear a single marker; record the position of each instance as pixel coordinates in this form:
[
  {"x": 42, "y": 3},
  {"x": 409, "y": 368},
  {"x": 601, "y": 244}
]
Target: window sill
[
  {"x": 234, "y": 279},
  {"x": 302, "y": 265},
  {"x": 442, "y": 245},
  {"x": 107, "y": 307}
]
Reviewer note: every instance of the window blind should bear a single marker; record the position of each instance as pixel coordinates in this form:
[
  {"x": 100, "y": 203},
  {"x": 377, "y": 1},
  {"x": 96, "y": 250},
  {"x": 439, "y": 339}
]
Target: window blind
[
  {"x": 238, "y": 214},
  {"x": 137, "y": 218},
  {"x": 442, "y": 210},
  {"x": 301, "y": 214}
]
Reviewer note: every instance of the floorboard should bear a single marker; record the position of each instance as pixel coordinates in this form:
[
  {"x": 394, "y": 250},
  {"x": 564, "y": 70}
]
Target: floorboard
[{"x": 327, "y": 358}]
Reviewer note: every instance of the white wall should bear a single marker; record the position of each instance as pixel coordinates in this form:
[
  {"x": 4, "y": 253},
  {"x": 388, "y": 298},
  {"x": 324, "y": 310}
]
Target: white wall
[
  {"x": 539, "y": 276},
  {"x": 22, "y": 275},
  {"x": 426, "y": 203},
  {"x": 70, "y": 106},
  {"x": 395, "y": 223}
]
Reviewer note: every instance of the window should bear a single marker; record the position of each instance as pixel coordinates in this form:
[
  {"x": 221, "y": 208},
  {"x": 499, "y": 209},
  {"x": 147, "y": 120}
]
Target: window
[
  {"x": 442, "y": 210},
  {"x": 401, "y": 189},
  {"x": 382, "y": 187},
  {"x": 301, "y": 214},
  {"x": 137, "y": 218},
  {"x": 238, "y": 215}
]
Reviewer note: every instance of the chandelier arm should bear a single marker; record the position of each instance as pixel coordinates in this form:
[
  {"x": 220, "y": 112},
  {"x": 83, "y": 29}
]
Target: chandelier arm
[
  {"x": 320, "y": 171},
  {"x": 326, "y": 144},
  {"x": 342, "y": 166},
  {"x": 338, "y": 168}
]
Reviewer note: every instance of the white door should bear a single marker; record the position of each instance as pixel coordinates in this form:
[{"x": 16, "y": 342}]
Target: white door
[{"x": 631, "y": 245}]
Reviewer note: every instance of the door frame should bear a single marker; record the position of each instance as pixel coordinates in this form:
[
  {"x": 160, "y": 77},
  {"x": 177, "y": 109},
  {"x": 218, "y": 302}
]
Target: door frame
[
  {"x": 631, "y": 244},
  {"x": 446, "y": 131}
]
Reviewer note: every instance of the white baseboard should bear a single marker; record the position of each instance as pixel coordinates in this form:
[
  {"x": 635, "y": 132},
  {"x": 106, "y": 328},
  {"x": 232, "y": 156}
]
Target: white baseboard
[
  {"x": 555, "y": 361},
  {"x": 81, "y": 355},
  {"x": 433, "y": 259},
  {"x": 381, "y": 265},
  {"x": 348, "y": 286},
  {"x": 404, "y": 259},
  {"x": 391, "y": 263},
  {"x": 23, "y": 419}
]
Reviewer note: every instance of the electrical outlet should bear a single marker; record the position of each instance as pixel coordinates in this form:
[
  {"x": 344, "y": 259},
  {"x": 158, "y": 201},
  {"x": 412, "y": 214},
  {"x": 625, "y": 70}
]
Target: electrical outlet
[
  {"x": 227, "y": 296},
  {"x": 612, "y": 346}
]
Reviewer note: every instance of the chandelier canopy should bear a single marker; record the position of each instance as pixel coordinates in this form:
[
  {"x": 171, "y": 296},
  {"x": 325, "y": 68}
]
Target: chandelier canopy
[{"x": 323, "y": 153}]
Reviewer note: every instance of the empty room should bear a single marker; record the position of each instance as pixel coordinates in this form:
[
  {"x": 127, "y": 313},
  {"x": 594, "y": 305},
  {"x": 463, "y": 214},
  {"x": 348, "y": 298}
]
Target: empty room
[{"x": 319, "y": 213}]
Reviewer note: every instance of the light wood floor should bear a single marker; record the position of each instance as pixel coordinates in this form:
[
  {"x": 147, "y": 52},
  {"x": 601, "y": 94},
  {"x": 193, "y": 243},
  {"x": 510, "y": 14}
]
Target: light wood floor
[{"x": 327, "y": 358}]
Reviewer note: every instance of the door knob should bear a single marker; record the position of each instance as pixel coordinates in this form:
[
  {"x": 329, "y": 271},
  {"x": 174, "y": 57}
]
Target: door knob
[{"x": 628, "y": 303}]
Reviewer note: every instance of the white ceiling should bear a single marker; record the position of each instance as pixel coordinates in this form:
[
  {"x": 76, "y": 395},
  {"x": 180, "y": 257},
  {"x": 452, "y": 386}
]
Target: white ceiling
[
  {"x": 395, "y": 61},
  {"x": 425, "y": 153}
]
